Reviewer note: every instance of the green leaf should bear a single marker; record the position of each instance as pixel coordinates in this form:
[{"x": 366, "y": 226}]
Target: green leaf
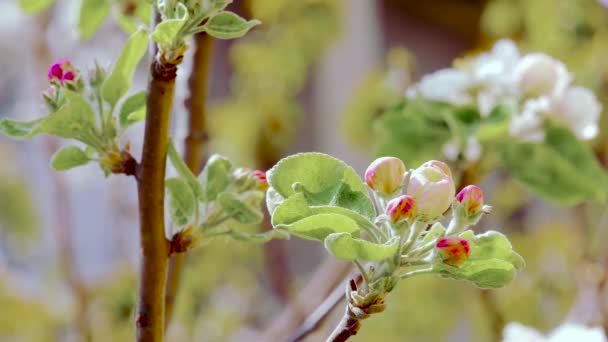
[
  {"x": 119, "y": 82},
  {"x": 69, "y": 157},
  {"x": 318, "y": 227},
  {"x": 344, "y": 246},
  {"x": 562, "y": 169},
  {"x": 168, "y": 31},
  {"x": 92, "y": 15},
  {"x": 35, "y": 6},
  {"x": 322, "y": 179},
  {"x": 133, "y": 109},
  {"x": 227, "y": 25},
  {"x": 184, "y": 171},
  {"x": 259, "y": 238},
  {"x": 489, "y": 273},
  {"x": 215, "y": 176},
  {"x": 182, "y": 203},
  {"x": 20, "y": 129},
  {"x": 414, "y": 132},
  {"x": 74, "y": 120},
  {"x": 239, "y": 210},
  {"x": 493, "y": 244}
]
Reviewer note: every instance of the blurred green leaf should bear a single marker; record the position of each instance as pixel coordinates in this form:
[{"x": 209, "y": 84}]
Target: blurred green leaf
[
  {"x": 92, "y": 15},
  {"x": 318, "y": 227},
  {"x": 227, "y": 25},
  {"x": 69, "y": 157},
  {"x": 182, "y": 203},
  {"x": 215, "y": 176},
  {"x": 259, "y": 238},
  {"x": 120, "y": 80},
  {"x": 20, "y": 129},
  {"x": 184, "y": 171},
  {"x": 132, "y": 109},
  {"x": 35, "y": 6},
  {"x": 238, "y": 210},
  {"x": 344, "y": 246}
]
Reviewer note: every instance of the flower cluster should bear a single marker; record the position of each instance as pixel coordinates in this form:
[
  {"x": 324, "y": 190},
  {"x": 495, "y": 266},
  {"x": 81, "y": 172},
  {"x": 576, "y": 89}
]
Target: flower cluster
[
  {"x": 515, "y": 332},
  {"x": 535, "y": 86}
]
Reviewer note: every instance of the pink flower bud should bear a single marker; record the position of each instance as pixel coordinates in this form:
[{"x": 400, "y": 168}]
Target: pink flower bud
[
  {"x": 432, "y": 187},
  {"x": 453, "y": 250},
  {"x": 401, "y": 208},
  {"x": 471, "y": 198},
  {"x": 260, "y": 176},
  {"x": 62, "y": 70},
  {"x": 385, "y": 175}
]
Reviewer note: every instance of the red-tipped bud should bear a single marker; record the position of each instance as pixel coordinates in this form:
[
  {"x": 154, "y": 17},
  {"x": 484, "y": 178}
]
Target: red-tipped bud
[
  {"x": 401, "y": 208},
  {"x": 62, "y": 71},
  {"x": 471, "y": 198},
  {"x": 260, "y": 176},
  {"x": 385, "y": 175},
  {"x": 453, "y": 250}
]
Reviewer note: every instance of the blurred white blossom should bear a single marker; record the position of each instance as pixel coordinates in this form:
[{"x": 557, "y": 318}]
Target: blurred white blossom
[
  {"x": 537, "y": 74},
  {"x": 568, "y": 332}
]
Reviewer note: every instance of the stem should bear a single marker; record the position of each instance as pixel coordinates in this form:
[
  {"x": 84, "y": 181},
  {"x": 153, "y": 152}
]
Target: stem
[
  {"x": 194, "y": 154},
  {"x": 348, "y": 326},
  {"x": 362, "y": 270},
  {"x": 151, "y": 192},
  {"x": 416, "y": 272}
]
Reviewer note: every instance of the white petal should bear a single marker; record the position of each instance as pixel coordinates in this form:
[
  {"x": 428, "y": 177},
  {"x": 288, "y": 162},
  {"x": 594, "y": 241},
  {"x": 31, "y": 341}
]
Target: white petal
[
  {"x": 579, "y": 110},
  {"x": 449, "y": 85},
  {"x": 515, "y": 332},
  {"x": 538, "y": 74},
  {"x": 570, "y": 332}
]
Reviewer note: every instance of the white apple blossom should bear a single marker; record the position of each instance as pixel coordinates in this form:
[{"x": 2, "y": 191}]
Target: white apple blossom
[
  {"x": 538, "y": 74},
  {"x": 579, "y": 110},
  {"x": 527, "y": 125},
  {"x": 568, "y": 332},
  {"x": 447, "y": 85}
]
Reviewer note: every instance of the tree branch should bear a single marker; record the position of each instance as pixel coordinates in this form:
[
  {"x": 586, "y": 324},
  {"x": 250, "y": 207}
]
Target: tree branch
[
  {"x": 195, "y": 152},
  {"x": 151, "y": 191}
]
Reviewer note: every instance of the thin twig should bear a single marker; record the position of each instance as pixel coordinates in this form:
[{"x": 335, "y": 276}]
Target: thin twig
[
  {"x": 195, "y": 153},
  {"x": 151, "y": 192}
]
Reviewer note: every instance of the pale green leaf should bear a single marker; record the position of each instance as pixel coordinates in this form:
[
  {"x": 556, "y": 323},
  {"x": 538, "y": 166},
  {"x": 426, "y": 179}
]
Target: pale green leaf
[
  {"x": 92, "y": 15},
  {"x": 237, "y": 208},
  {"x": 133, "y": 109},
  {"x": 69, "y": 157},
  {"x": 259, "y": 238},
  {"x": 318, "y": 227},
  {"x": 35, "y": 6},
  {"x": 20, "y": 129},
  {"x": 322, "y": 179},
  {"x": 168, "y": 31},
  {"x": 184, "y": 171},
  {"x": 74, "y": 120},
  {"x": 344, "y": 246},
  {"x": 215, "y": 177},
  {"x": 182, "y": 203},
  {"x": 227, "y": 25},
  {"x": 488, "y": 273},
  {"x": 120, "y": 80}
]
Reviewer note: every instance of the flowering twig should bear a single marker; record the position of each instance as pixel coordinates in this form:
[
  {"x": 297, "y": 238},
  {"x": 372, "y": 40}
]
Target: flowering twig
[{"x": 194, "y": 154}]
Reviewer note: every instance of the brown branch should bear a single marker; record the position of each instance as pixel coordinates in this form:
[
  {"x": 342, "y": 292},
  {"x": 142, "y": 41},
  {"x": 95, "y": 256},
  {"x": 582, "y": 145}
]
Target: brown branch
[
  {"x": 195, "y": 153},
  {"x": 62, "y": 225},
  {"x": 329, "y": 275},
  {"x": 151, "y": 192}
]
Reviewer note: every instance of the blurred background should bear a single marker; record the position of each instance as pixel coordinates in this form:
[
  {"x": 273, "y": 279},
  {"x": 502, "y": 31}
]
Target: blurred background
[{"x": 311, "y": 78}]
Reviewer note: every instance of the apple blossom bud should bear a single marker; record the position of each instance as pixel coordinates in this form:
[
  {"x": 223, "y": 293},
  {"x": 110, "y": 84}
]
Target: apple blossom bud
[
  {"x": 471, "y": 198},
  {"x": 260, "y": 177},
  {"x": 401, "y": 208},
  {"x": 454, "y": 251},
  {"x": 62, "y": 71},
  {"x": 385, "y": 175},
  {"x": 432, "y": 187}
]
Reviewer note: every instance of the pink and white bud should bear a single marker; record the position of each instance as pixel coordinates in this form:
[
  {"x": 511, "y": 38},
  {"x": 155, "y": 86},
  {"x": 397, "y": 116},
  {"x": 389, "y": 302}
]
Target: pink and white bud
[
  {"x": 471, "y": 198},
  {"x": 541, "y": 75},
  {"x": 432, "y": 187},
  {"x": 62, "y": 71},
  {"x": 385, "y": 175},
  {"x": 453, "y": 250},
  {"x": 260, "y": 177},
  {"x": 401, "y": 208}
]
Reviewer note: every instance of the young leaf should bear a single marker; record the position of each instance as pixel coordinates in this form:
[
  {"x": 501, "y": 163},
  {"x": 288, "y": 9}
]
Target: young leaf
[
  {"x": 119, "y": 81},
  {"x": 562, "y": 169},
  {"x": 182, "y": 203},
  {"x": 131, "y": 109},
  {"x": 167, "y": 31},
  {"x": 215, "y": 176},
  {"x": 344, "y": 246},
  {"x": 69, "y": 157},
  {"x": 20, "y": 129},
  {"x": 322, "y": 179},
  {"x": 92, "y": 15},
  {"x": 74, "y": 120},
  {"x": 485, "y": 274},
  {"x": 238, "y": 210},
  {"x": 35, "y": 6},
  {"x": 318, "y": 227},
  {"x": 227, "y": 25},
  {"x": 184, "y": 171}
]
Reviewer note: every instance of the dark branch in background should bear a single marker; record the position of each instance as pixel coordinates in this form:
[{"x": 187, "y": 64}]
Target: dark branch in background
[
  {"x": 62, "y": 225},
  {"x": 195, "y": 152},
  {"x": 330, "y": 274},
  {"x": 150, "y": 176}
]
